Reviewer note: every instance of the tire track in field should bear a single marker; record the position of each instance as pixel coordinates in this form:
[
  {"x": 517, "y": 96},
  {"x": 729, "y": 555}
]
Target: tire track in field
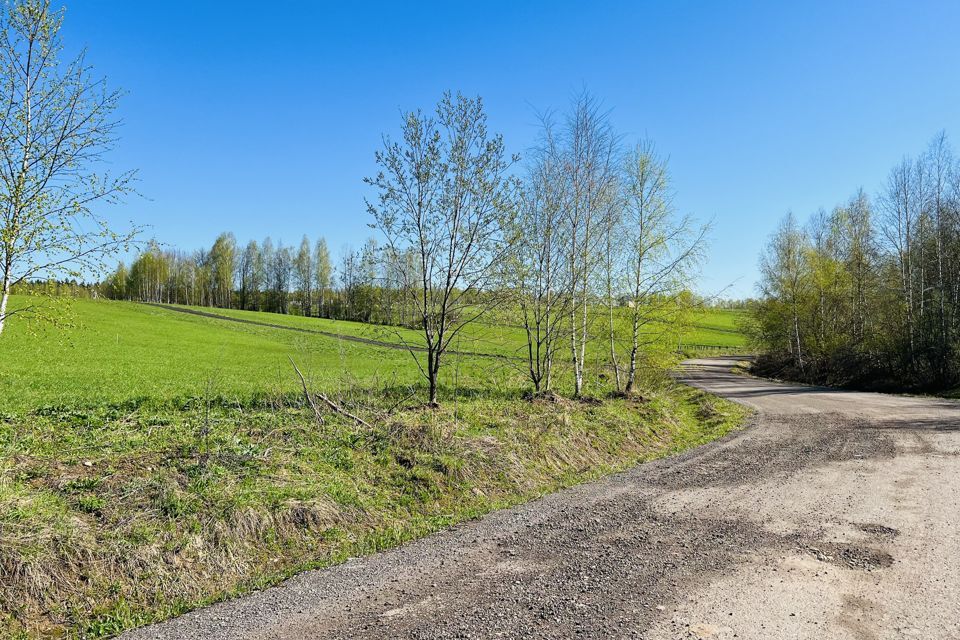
[{"x": 320, "y": 332}]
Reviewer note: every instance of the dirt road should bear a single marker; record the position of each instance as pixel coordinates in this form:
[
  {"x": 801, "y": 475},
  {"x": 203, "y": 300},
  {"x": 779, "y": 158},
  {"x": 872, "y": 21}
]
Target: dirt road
[{"x": 834, "y": 515}]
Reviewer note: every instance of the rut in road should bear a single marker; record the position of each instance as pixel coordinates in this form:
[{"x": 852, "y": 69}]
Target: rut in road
[{"x": 832, "y": 515}]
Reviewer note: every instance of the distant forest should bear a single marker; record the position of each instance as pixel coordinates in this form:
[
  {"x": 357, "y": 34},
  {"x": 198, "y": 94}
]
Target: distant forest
[
  {"x": 266, "y": 276},
  {"x": 868, "y": 294}
]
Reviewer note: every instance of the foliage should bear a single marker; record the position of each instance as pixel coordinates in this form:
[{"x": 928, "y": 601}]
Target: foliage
[
  {"x": 868, "y": 294},
  {"x": 57, "y": 126}
]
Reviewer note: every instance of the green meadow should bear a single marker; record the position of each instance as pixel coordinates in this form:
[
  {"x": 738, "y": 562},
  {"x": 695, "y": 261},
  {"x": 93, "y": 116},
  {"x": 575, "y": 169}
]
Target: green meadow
[{"x": 119, "y": 352}]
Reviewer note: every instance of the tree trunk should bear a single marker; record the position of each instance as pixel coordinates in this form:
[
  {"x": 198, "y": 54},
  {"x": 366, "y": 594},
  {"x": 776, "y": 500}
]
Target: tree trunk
[
  {"x": 4, "y": 298},
  {"x": 796, "y": 329},
  {"x": 634, "y": 348},
  {"x": 613, "y": 349},
  {"x": 433, "y": 368},
  {"x": 577, "y": 365}
]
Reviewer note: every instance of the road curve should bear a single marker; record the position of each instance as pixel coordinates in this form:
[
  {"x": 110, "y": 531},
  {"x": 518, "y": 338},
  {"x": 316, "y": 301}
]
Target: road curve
[{"x": 834, "y": 515}]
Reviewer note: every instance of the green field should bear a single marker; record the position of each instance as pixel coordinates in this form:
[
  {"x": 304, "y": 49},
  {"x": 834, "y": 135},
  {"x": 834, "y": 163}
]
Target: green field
[
  {"x": 716, "y": 328},
  {"x": 712, "y": 328},
  {"x": 118, "y": 351},
  {"x": 152, "y": 461}
]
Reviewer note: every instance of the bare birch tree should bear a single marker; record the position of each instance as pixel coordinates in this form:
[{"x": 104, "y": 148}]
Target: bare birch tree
[
  {"x": 589, "y": 156},
  {"x": 536, "y": 270},
  {"x": 901, "y": 213},
  {"x": 785, "y": 277},
  {"x": 612, "y": 263}
]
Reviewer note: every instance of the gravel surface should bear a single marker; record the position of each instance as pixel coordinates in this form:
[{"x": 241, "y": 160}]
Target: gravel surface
[{"x": 833, "y": 515}]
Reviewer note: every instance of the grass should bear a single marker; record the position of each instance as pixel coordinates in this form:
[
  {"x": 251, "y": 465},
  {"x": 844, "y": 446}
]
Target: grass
[
  {"x": 117, "y": 352},
  {"x": 480, "y": 337},
  {"x": 152, "y": 461}
]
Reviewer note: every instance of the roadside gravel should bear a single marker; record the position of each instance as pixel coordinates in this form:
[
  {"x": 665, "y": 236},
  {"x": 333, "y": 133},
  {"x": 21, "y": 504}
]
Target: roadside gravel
[{"x": 833, "y": 515}]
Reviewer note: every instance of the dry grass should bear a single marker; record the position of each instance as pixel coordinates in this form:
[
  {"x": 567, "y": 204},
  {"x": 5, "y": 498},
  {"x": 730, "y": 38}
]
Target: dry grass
[{"x": 112, "y": 517}]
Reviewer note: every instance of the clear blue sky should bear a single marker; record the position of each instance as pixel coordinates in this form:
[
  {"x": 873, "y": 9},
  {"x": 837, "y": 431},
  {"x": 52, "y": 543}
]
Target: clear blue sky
[{"x": 262, "y": 118}]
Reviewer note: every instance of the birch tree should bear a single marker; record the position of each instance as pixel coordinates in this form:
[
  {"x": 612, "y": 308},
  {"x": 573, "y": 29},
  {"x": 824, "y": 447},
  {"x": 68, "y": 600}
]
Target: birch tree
[
  {"x": 323, "y": 274},
  {"x": 537, "y": 266},
  {"x": 785, "y": 278},
  {"x": 663, "y": 249},
  {"x": 590, "y": 166},
  {"x": 57, "y": 123},
  {"x": 901, "y": 213}
]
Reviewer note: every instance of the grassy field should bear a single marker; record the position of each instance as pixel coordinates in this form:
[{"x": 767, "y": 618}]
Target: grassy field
[
  {"x": 121, "y": 352},
  {"x": 711, "y": 328},
  {"x": 719, "y": 328},
  {"x": 152, "y": 461}
]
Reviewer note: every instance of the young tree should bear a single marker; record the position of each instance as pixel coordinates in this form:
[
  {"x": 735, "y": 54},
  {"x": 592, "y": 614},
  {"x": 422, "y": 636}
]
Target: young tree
[
  {"x": 662, "y": 249},
  {"x": 589, "y": 159},
  {"x": 443, "y": 193},
  {"x": 536, "y": 269},
  {"x": 303, "y": 267},
  {"x": 323, "y": 274},
  {"x": 57, "y": 125},
  {"x": 785, "y": 276},
  {"x": 613, "y": 250}
]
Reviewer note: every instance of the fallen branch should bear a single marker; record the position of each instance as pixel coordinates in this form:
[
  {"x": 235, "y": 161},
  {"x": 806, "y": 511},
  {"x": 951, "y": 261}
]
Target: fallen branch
[
  {"x": 412, "y": 393},
  {"x": 306, "y": 393},
  {"x": 327, "y": 401}
]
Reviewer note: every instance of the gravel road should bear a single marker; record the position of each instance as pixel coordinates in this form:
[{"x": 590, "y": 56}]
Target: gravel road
[{"x": 833, "y": 515}]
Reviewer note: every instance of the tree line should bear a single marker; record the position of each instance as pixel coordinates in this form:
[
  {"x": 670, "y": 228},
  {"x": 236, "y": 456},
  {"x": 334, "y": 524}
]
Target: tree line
[
  {"x": 868, "y": 294},
  {"x": 264, "y": 276},
  {"x": 268, "y": 276}
]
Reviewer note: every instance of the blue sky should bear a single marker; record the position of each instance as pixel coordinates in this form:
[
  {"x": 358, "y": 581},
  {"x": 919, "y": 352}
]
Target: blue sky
[{"x": 262, "y": 118}]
